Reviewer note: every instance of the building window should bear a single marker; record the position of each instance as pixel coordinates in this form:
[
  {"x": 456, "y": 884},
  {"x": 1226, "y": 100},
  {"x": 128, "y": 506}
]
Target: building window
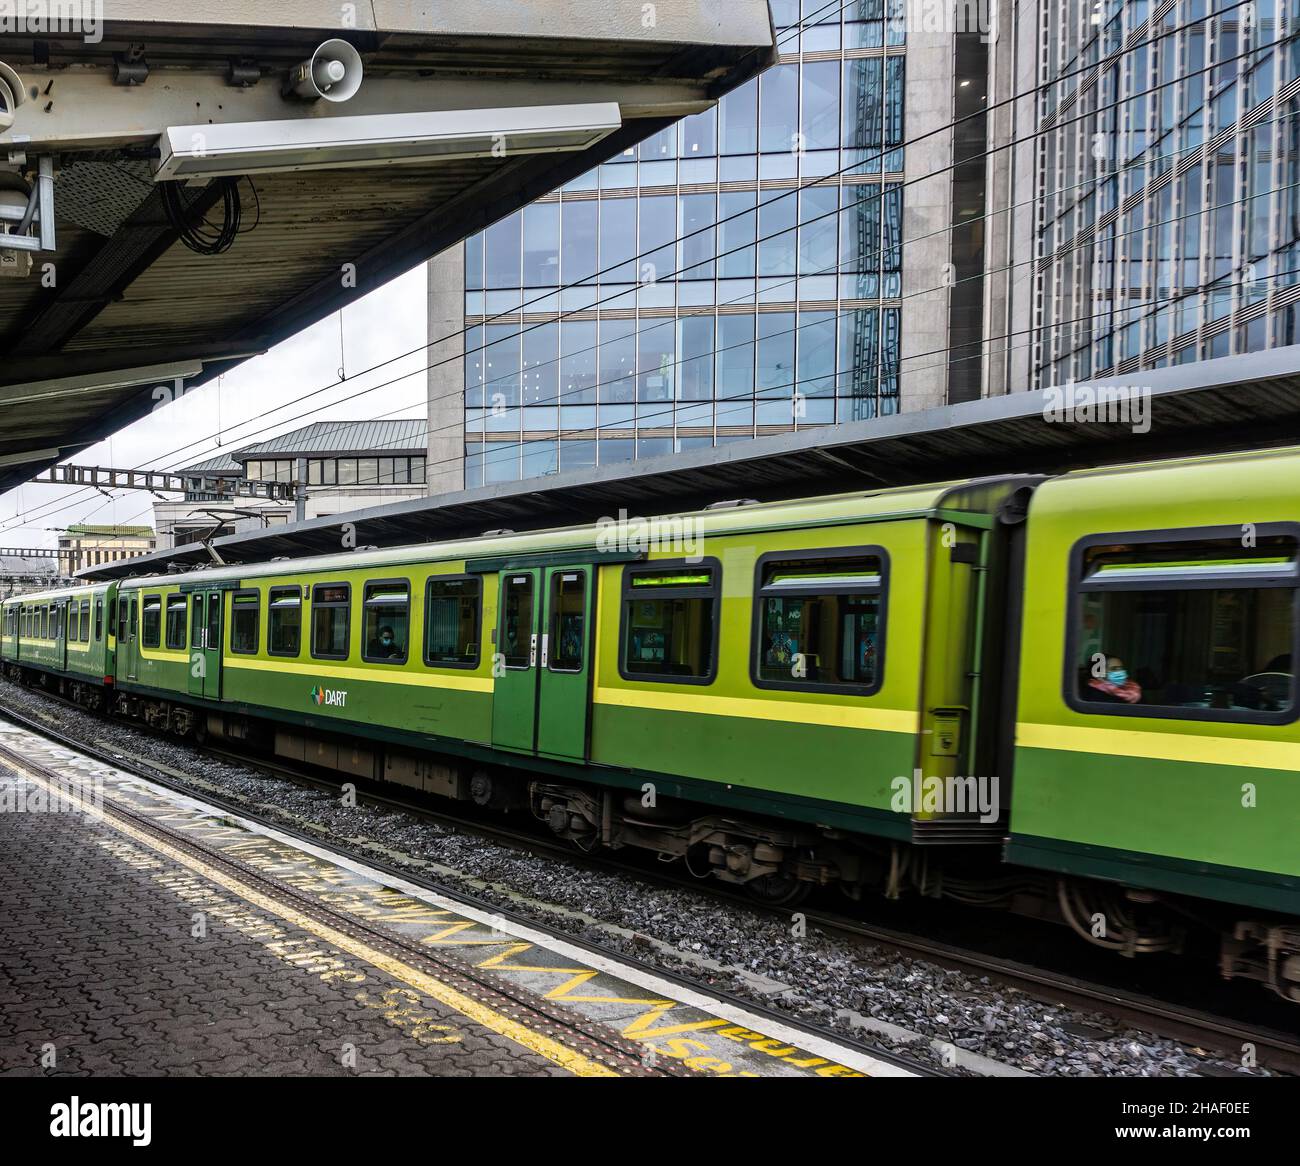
[
  {"x": 284, "y": 621},
  {"x": 330, "y": 618},
  {"x": 670, "y": 622},
  {"x": 819, "y": 621},
  {"x": 176, "y": 623},
  {"x": 245, "y": 614},
  {"x": 386, "y": 621},
  {"x": 1197, "y": 628},
  {"x": 452, "y": 614},
  {"x": 151, "y": 621}
]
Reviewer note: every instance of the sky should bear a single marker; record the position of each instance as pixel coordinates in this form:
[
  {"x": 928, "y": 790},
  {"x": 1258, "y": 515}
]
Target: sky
[{"x": 260, "y": 398}]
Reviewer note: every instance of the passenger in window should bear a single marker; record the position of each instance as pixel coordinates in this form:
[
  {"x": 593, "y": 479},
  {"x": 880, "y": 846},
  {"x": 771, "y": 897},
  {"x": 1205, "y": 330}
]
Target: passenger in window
[
  {"x": 1116, "y": 687},
  {"x": 386, "y": 646}
]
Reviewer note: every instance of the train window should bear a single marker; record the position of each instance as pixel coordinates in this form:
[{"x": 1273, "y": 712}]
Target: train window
[
  {"x": 386, "y": 614},
  {"x": 85, "y": 621},
  {"x": 452, "y": 620},
  {"x": 55, "y": 629},
  {"x": 111, "y": 618},
  {"x": 151, "y": 621},
  {"x": 517, "y": 636},
  {"x": 212, "y": 633},
  {"x": 567, "y": 632},
  {"x": 245, "y": 612},
  {"x": 818, "y": 621},
  {"x": 132, "y": 605},
  {"x": 196, "y": 621},
  {"x": 284, "y": 621},
  {"x": 1187, "y": 627},
  {"x": 99, "y": 619},
  {"x": 330, "y": 611},
  {"x": 670, "y": 622},
  {"x": 176, "y": 623}
]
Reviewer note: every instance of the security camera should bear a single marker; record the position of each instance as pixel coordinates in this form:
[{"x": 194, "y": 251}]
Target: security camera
[
  {"x": 333, "y": 72},
  {"x": 11, "y": 96}
]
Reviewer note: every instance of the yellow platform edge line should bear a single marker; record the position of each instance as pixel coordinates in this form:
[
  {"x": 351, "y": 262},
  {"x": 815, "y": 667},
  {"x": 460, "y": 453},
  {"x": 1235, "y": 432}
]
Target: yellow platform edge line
[{"x": 481, "y": 1014}]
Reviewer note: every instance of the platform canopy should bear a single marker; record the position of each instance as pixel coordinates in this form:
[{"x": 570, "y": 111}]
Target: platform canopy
[
  {"x": 1237, "y": 402},
  {"x": 346, "y": 143}
]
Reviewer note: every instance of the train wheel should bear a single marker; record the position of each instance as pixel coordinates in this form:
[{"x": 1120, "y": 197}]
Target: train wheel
[{"x": 778, "y": 890}]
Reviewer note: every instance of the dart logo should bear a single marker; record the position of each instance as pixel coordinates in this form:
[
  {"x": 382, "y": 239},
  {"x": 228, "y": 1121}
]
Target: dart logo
[{"x": 333, "y": 697}]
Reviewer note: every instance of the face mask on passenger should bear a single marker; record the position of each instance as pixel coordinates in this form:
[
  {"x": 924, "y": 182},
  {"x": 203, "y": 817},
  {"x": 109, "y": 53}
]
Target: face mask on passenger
[{"x": 1117, "y": 675}]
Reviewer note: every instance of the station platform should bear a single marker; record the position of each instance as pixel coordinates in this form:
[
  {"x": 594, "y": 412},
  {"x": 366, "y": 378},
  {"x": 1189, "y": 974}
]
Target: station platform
[{"x": 145, "y": 933}]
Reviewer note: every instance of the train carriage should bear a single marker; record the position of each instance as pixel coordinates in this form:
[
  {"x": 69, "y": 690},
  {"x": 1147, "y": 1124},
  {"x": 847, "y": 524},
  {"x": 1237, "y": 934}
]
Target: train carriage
[
  {"x": 1184, "y": 577},
  {"x": 64, "y": 636},
  {"x": 1088, "y": 677}
]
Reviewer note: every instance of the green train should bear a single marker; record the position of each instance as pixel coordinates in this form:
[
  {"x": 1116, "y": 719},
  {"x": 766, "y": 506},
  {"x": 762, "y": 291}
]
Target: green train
[{"x": 1069, "y": 695}]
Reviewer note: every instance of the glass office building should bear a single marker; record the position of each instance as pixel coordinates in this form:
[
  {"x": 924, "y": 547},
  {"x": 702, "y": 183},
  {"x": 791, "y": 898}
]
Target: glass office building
[
  {"x": 754, "y": 307},
  {"x": 1168, "y": 224}
]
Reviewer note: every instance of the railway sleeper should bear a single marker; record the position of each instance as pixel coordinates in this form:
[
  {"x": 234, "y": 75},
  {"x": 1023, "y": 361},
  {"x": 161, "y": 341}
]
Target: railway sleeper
[{"x": 772, "y": 861}]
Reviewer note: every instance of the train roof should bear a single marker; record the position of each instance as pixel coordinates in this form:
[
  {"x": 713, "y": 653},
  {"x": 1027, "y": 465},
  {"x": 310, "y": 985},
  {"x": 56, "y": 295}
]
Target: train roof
[
  {"x": 745, "y": 515},
  {"x": 1254, "y": 474},
  {"x": 59, "y": 593}
]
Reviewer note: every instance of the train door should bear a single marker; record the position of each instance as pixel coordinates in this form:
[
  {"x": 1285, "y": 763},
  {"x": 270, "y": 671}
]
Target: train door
[
  {"x": 542, "y": 696},
  {"x": 564, "y": 664},
  {"x": 126, "y": 635},
  {"x": 206, "y": 626},
  {"x": 514, "y": 665},
  {"x": 62, "y": 631}
]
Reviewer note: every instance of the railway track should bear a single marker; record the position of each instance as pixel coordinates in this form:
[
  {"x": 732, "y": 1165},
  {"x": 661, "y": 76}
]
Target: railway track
[
  {"x": 173, "y": 780},
  {"x": 1273, "y": 1049}
]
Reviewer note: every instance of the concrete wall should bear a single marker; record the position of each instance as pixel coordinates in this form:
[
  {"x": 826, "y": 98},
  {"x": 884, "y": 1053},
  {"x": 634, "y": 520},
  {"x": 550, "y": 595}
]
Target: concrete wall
[
  {"x": 927, "y": 211},
  {"x": 1009, "y": 281},
  {"x": 446, "y": 389}
]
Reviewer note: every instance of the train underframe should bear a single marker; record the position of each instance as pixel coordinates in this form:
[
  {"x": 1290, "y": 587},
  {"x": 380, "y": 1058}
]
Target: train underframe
[{"x": 775, "y": 862}]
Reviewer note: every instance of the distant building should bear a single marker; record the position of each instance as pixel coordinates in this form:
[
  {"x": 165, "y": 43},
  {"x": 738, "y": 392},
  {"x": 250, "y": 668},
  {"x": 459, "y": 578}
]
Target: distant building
[
  {"x": 84, "y": 546},
  {"x": 347, "y": 465},
  {"x": 20, "y": 573}
]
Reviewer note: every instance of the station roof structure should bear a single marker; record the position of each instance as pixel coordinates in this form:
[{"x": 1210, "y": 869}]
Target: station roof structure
[
  {"x": 165, "y": 115},
  {"x": 1237, "y": 402}
]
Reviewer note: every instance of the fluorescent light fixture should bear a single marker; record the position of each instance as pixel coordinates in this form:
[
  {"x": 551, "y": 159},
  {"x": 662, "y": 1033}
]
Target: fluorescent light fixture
[
  {"x": 320, "y": 143},
  {"x": 93, "y": 382}
]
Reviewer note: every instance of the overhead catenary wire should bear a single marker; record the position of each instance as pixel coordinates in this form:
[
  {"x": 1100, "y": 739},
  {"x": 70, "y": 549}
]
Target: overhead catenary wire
[
  {"x": 782, "y": 393},
  {"x": 938, "y": 364},
  {"x": 632, "y": 374},
  {"x": 778, "y": 196},
  {"x": 841, "y": 373},
  {"x": 781, "y": 195}
]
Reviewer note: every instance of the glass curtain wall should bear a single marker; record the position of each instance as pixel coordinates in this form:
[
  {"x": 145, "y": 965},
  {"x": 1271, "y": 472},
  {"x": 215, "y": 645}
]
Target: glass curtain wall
[{"x": 717, "y": 301}]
